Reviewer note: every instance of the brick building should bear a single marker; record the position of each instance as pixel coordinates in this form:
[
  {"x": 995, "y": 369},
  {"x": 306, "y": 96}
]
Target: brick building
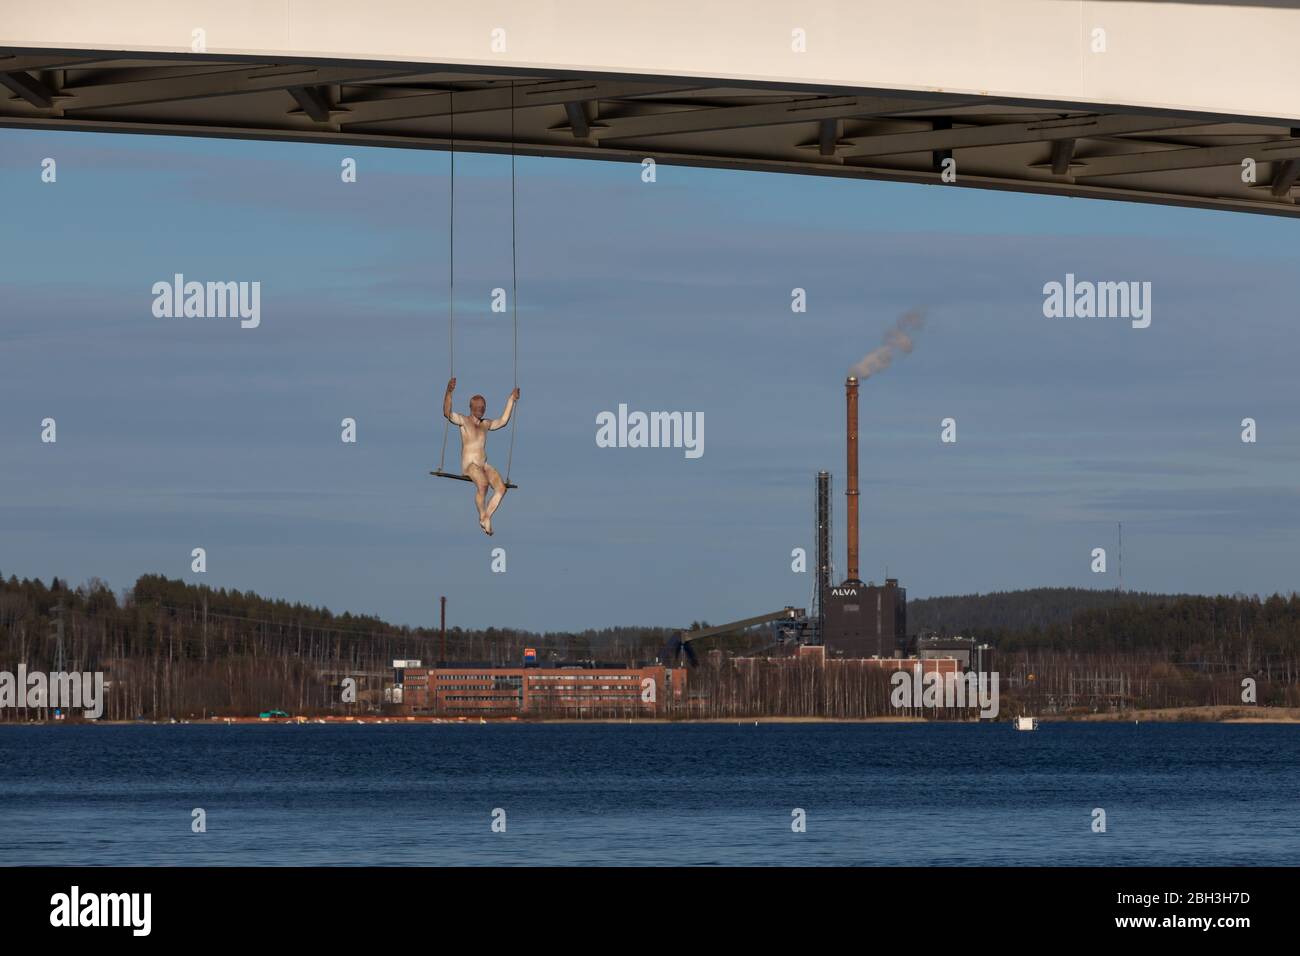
[{"x": 587, "y": 690}]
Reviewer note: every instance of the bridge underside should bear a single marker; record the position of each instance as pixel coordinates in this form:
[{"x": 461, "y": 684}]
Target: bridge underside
[{"x": 1192, "y": 159}]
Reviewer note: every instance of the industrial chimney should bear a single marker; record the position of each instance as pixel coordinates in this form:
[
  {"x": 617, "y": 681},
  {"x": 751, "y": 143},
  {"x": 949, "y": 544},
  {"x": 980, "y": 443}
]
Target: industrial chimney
[
  {"x": 824, "y": 571},
  {"x": 851, "y": 398}
]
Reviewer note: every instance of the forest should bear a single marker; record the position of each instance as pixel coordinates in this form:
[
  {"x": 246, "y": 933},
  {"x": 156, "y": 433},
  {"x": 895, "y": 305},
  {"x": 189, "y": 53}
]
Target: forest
[
  {"x": 173, "y": 650},
  {"x": 1022, "y": 610}
]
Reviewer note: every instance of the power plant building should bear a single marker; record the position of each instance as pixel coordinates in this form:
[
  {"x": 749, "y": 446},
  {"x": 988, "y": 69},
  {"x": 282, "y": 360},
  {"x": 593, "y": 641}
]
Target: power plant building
[
  {"x": 855, "y": 618},
  {"x": 866, "y": 620},
  {"x": 587, "y": 690}
]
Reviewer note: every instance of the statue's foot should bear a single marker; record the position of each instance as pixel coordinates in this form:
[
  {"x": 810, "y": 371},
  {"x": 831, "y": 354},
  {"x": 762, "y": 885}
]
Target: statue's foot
[
  {"x": 483, "y": 523},
  {"x": 487, "y": 526}
]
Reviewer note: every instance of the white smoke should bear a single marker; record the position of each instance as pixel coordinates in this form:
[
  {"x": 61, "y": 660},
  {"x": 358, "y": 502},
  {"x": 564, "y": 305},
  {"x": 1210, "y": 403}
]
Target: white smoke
[{"x": 897, "y": 339}]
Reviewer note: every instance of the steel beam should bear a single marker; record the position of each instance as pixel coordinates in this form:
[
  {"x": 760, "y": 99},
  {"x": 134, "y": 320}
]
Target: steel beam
[
  {"x": 525, "y": 96},
  {"x": 1193, "y": 157},
  {"x": 578, "y": 119},
  {"x": 312, "y": 101},
  {"x": 1004, "y": 134},
  {"x": 223, "y": 82},
  {"x": 803, "y": 110},
  {"x": 27, "y": 87},
  {"x": 1062, "y": 153},
  {"x": 1284, "y": 178}
]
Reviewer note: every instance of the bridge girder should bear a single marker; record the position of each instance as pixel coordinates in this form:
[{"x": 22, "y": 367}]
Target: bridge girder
[{"x": 751, "y": 103}]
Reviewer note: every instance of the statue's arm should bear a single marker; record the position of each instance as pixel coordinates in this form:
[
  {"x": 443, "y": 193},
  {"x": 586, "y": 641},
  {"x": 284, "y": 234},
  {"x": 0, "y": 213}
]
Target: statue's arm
[
  {"x": 447, "y": 413},
  {"x": 505, "y": 416}
]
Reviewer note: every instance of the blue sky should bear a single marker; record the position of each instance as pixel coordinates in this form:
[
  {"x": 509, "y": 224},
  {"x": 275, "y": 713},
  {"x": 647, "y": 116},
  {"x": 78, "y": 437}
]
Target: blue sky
[{"x": 675, "y": 295}]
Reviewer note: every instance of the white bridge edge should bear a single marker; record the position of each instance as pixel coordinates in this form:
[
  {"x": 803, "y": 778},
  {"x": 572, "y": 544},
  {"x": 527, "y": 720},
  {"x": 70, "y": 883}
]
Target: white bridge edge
[{"x": 1226, "y": 59}]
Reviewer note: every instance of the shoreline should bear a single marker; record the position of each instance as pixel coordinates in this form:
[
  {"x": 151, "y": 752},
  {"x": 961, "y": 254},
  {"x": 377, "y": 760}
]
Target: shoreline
[
  {"x": 1212, "y": 713},
  {"x": 1217, "y": 714}
]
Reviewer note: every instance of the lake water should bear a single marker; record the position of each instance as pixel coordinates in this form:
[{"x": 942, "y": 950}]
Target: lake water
[{"x": 915, "y": 794}]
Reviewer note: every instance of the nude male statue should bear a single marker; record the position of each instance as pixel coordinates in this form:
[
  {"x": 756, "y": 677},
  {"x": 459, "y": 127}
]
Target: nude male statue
[{"x": 473, "y": 450}]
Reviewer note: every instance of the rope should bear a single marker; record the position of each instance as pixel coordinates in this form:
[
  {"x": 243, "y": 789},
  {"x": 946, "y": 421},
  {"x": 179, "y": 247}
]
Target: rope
[
  {"x": 451, "y": 264},
  {"x": 514, "y": 281},
  {"x": 451, "y": 280}
]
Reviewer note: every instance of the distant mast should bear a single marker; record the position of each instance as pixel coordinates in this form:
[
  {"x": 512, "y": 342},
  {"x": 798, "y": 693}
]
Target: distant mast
[{"x": 1121, "y": 557}]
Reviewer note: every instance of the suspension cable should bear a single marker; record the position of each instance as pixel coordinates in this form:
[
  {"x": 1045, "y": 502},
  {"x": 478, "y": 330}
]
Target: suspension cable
[
  {"x": 514, "y": 283},
  {"x": 451, "y": 263}
]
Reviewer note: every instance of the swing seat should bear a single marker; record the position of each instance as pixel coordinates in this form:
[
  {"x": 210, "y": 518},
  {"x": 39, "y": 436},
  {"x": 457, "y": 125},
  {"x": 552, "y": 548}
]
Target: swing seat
[{"x": 448, "y": 474}]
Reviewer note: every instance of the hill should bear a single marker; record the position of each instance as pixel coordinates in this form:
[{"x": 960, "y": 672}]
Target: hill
[{"x": 1023, "y": 610}]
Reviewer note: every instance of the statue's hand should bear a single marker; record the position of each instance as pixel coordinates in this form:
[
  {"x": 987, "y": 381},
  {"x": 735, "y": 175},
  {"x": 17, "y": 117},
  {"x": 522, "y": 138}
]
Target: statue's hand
[
  {"x": 515, "y": 394},
  {"x": 451, "y": 385}
]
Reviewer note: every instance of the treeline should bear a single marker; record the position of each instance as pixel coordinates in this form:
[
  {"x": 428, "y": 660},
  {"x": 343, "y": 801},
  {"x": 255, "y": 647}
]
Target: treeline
[
  {"x": 758, "y": 687},
  {"x": 1057, "y": 651},
  {"x": 1019, "y": 611},
  {"x": 1244, "y": 633},
  {"x": 1036, "y": 682},
  {"x": 171, "y": 649}
]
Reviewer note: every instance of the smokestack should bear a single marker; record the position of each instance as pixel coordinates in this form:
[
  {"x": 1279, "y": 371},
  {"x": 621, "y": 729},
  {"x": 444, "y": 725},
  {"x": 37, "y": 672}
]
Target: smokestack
[
  {"x": 851, "y": 398},
  {"x": 824, "y": 572}
]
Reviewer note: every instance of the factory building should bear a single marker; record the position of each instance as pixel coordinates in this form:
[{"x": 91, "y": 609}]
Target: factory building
[
  {"x": 938, "y": 664},
  {"x": 581, "y": 690},
  {"x": 968, "y": 652},
  {"x": 855, "y": 618},
  {"x": 867, "y": 620}
]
